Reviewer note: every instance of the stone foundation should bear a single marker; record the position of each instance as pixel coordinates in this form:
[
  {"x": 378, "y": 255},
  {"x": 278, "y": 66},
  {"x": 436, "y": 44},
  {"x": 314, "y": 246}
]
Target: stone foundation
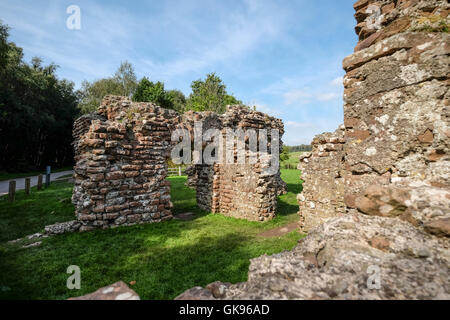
[{"x": 337, "y": 260}]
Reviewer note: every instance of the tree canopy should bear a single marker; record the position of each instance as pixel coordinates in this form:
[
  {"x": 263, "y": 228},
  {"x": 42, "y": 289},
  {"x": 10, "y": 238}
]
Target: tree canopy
[
  {"x": 284, "y": 155},
  {"x": 300, "y": 148},
  {"x": 123, "y": 83},
  {"x": 207, "y": 95},
  {"x": 37, "y": 111},
  {"x": 210, "y": 94},
  {"x": 148, "y": 91},
  {"x": 177, "y": 99}
]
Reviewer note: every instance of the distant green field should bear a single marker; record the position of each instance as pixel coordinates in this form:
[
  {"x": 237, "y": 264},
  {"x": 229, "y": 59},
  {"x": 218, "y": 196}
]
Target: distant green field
[{"x": 292, "y": 161}]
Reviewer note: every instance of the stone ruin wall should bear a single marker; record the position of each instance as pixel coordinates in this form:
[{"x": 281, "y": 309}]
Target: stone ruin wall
[
  {"x": 323, "y": 170},
  {"x": 390, "y": 175},
  {"x": 396, "y": 119},
  {"x": 121, "y": 166},
  {"x": 237, "y": 190}
]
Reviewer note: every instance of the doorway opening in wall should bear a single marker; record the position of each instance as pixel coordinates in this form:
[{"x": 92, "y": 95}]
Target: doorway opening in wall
[
  {"x": 287, "y": 207},
  {"x": 183, "y": 197}
]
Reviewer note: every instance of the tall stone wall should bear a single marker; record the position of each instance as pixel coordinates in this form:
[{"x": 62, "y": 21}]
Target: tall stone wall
[
  {"x": 396, "y": 99},
  {"x": 393, "y": 242},
  {"x": 121, "y": 164},
  {"x": 237, "y": 190},
  {"x": 396, "y": 113},
  {"x": 378, "y": 20},
  {"x": 397, "y": 116},
  {"x": 323, "y": 171}
]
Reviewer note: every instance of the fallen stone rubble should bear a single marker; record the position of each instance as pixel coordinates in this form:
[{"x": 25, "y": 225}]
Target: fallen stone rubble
[{"x": 337, "y": 261}]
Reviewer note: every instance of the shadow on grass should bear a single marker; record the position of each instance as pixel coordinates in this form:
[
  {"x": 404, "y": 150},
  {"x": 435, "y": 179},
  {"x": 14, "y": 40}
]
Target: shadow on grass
[
  {"x": 31, "y": 213},
  {"x": 295, "y": 188},
  {"x": 287, "y": 204},
  {"x": 164, "y": 261},
  {"x": 284, "y": 208}
]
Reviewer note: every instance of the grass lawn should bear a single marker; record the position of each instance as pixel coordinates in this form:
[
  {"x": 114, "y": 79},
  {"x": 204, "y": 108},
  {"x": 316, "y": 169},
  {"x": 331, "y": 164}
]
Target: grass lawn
[
  {"x": 8, "y": 175},
  {"x": 164, "y": 259},
  {"x": 293, "y": 159}
]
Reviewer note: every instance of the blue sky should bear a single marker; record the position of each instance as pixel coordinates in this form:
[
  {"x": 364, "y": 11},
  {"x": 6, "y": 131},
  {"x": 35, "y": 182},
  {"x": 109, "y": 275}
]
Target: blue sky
[{"x": 285, "y": 57}]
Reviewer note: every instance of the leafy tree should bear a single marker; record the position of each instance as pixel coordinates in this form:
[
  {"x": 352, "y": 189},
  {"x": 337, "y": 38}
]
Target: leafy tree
[
  {"x": 126, "y": 79},
  {"x": 284, "y": 155},
  {"x": 231, "y": 100},
  {"x": 37, "y": 111},
  {"x": 3, "y": 44},
  {"x": 300, "y": 148},
  {"x": 93, "y": 93},
  {"x": 177, "y": 99},
  {"x": 123, "y": 83},
  {"x": 210, "y": 94},
  {"x": 148, "y": 91}
]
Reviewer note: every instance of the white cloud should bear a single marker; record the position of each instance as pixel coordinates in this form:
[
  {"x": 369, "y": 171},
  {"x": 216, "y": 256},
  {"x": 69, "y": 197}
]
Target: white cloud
[
  {"x": 306, "y": 90},
  {"x": 239, "y": 33},
  {"x": 265, "y": 109},
  {"x": 297, "y": 96},
  {"x": 328, "y": 96},
  {"x": 298, "y": 125},
  {"x": 303, "y": 132},
  {"x": 306, "y": 96},
  {"x": 338, "y": 81}
]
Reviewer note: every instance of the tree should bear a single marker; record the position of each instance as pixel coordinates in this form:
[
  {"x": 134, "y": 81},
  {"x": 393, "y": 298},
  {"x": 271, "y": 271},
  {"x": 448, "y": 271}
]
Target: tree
[
  {"x": 148, "y": 91},
  {"x": 177, "y": 99},
  {"x": 123, "y": 83},
  {"x": 210, "y": 94},
  {"x": 3, "y": 44},
  {"x": 126, "y": 79},
  {"x": 93, "y": 93},
  {"x": 301, "y": 148},
  {"x": 231, "y": 100},
  {"x": 37, "y": 111},
  {"x": 284, "y": 155}
]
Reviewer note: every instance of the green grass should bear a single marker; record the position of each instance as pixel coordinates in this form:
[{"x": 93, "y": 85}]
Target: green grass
[
  {"x": 11, "y": 175},
  {"x": 293, "y": 160},
  {"x": 164, "y": 259},
  {"x": 30, "y": 214}
]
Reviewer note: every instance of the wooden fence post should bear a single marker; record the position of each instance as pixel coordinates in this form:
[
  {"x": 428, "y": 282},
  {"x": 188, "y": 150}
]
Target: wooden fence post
[
  {"x": 179, "y": 171},
  {"x": 12, "y": 191},
  {"x": 39, "y": 185},
  {"x": 27, "y": 185},
  {"x": 47, "y": 176}
]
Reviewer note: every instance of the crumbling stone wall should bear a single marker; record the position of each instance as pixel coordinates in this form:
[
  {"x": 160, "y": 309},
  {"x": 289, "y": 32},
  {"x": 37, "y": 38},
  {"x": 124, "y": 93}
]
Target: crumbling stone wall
[
  {"x": 380, "y": 19},
  {"x": 323, "y": 170},
  {"x": 396, "y": 99},
  {"x": 396, "y": 114},
  {"x": 395, "y": 169},
  {"x": 237, "y": 190},
  {"x": 80, "y": 128},
  {"x": 121, "y": 164}
]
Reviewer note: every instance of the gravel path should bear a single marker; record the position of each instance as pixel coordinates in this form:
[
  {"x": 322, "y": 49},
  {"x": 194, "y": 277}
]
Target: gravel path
[{"x": 20, "y": 182}]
